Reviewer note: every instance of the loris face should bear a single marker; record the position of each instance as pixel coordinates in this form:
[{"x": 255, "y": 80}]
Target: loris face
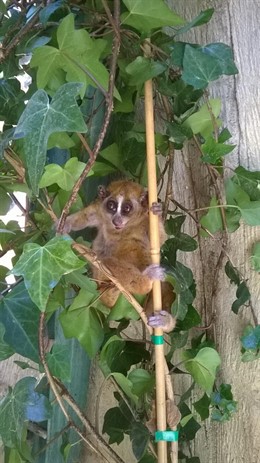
[
  {"x": 120, "y": 211},
  {"x": 123, "y": 204}
]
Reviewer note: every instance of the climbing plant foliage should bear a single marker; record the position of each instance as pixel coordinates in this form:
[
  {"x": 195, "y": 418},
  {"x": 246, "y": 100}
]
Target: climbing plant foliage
[{"x": 56, "y": 87}]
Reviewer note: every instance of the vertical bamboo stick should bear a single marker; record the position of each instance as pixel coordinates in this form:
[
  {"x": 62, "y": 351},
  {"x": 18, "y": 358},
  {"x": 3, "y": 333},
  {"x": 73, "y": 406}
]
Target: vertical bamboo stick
[{"x": 155, "y": 255}]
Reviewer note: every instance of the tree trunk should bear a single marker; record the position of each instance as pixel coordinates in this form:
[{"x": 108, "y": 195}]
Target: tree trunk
[{"x": 236, "y": 24}]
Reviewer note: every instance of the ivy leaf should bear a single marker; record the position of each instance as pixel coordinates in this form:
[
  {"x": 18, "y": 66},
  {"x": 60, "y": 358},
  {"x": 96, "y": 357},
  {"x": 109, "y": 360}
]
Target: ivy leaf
[
  {"x": 142, "y": 69},
  {"x": 149, "y": 15},
  {"x": 58, "y": 361},
  {"x": 202, "y": 407},
  {"x": 80, "y": 319},
  {"x": 232, "y": 273},
  {"x": 116, "y": 423},
  {"x": 248, "y": 181},
  {"x": 65, "y": 176},
  {"x": 201, "y": 121},
  {"x": 43, "y": 266},
  {"x": 20, "y": 318},
  {"x": 250, "y": 212},
  {"x": 255, "y": 257},
  {"x": 203, "y": 18},
  {"x": 189, "y": 426},
  {"x": 223, "y": 404},
  {"x": 76, "y": 58},
  {"x": 140, "y": 438},
  {"x": 250, "y": 343},
  {"x": 212, "y": 220},
  {"x": 5, "y": 138},
  {"x": 21, "y": 403},
  {"x": 173, "y": 225},
  {"x": 203, "y": 367},
  {"x": 192, "y": 318},
  {"x": 118, "y": 355},
  {"x": 198, "y": 68},
  {"x": 126, "y": 386},
  {"x": 41, "y": 118},
  {"x": 5, "y": 350},
  {"x": 224, "y": 56},
  {"x": 143, "y": 382},
  {"x": 47, "y": 11},
  {"x": 213, "y": 151},
  {"x": 243, "y": 295}
]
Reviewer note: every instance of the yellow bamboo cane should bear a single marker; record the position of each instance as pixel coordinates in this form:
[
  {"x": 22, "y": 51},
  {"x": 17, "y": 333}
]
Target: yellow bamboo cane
[{"x": 155, "y": 255}]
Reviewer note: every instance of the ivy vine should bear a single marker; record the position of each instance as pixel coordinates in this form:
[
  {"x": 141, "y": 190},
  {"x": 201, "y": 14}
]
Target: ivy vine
[{"x": 72, "y": 125}]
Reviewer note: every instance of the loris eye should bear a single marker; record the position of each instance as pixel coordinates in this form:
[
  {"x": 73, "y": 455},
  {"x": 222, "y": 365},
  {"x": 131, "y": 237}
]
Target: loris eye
[
  {"x": 111, "y": 205},
  {"x": 127, "y": 207}
]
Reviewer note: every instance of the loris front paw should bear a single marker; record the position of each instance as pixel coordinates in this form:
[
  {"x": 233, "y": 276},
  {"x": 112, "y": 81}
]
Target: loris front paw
[
  {"x": 155, "y": 272},
  {"x": 163, "y": 320},
  {"x": 157, "y": 209}
]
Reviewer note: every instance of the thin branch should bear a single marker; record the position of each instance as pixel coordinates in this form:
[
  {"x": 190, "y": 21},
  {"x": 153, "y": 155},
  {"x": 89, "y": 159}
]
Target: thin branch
[
  {"x": 88, "y": 426},
  {"x": 109, "y": 109},
  {"x": 85, "y": 144},
  {"x": 5, "y": 51},
  {"x": 91, "y": 256},
  {"x": 169, "y": 190}
]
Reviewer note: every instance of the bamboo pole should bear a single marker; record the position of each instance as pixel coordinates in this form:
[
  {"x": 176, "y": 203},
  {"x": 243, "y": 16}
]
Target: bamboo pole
[{"x": 155, "y": 256}]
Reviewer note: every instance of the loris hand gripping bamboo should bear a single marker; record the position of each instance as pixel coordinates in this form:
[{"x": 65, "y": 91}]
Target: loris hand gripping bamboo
[{"x": 120, "y": 215}]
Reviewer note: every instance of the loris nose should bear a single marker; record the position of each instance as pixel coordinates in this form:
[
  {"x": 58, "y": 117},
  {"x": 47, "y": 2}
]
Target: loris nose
[{"x": 117, "y": 221}]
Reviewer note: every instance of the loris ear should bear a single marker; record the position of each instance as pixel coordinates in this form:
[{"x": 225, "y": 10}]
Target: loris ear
[
  {"x": 102, "y": 192},
  {"x": 144, "y": 199}
]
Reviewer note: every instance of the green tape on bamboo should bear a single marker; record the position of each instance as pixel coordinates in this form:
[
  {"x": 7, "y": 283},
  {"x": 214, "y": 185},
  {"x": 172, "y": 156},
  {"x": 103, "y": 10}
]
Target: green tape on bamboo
[
  {"x": 167, "y": 436},
  {"x": 157, "y": 340}
]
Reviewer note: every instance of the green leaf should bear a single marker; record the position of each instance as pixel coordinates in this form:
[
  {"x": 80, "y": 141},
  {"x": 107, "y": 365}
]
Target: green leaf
[
  {"x": 248, "y": 181},
  {"x": 223, "y": 404},
  {"x": 191, "y": 319},
  {"x": 58, "y": 361},
  {"x": 124, "y": 309},
  {"x": 41, "y": 118},
  {"x": 77, "y": 58},
  {"x": 43, "y": 266},
  {"x": 47, "y": 11},
  {"x": 118, "y": 355},
  {"x": 202, "y": 407},
  {"x": 198, "y": 68},
  {"x": 173, "y": 225},
  {"x": 65, "y": 176},
  {"x": 5, "y": 202},
  {"x": 203, "y": 18},
  {"x": 5, "y": 350},
  {"x": 21, "y": 403},
  {"x": 20, "y": 318},
  {"x": 223, "y": 55},
  {"x": 80, "y": 319},
  {"x": 178, "y": 134},
  {"x": 149, "y": 15},
  {"x": 116, "y": 423},
  {"x": 255, "y": 257},
  {"x": 232, "y": 273},
  {"x": 243, "y": 295},
  {"x": 250, "y": 212},
  {"x": 143, "y": 382},
  {"x": 212, "y": 220},
  {"x": 203, "y": 367},
  {"x": 235, "y": 194},
  {"x": 140, "y": 438},
  {"x": 201, "y": 121},
  {"x": 189, "y": 426},
  {"x": 142, "y": 69},
  {"x": 213, "y": 151},
  {"x": 126, "y": 386},
  {"x": 5, "y": 138}
]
